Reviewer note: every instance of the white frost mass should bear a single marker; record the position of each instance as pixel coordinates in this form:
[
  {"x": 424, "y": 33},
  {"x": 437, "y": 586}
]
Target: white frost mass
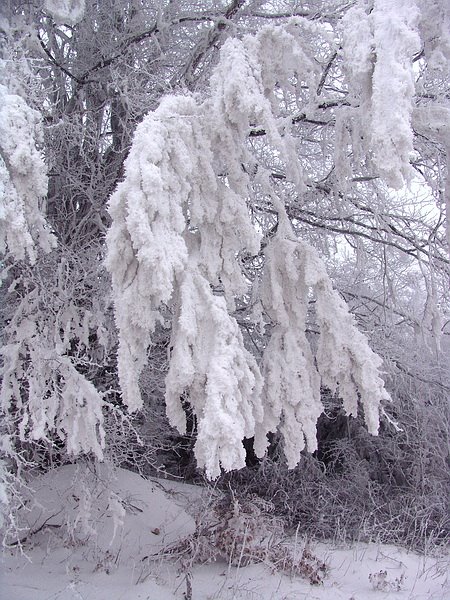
[
  {"x": 66, "y": 12},
  {"x": 23, "y": 180},
  {"x": 396, "y": 41},
  {"x": 180, "y": 225},
  {"x": 210, "y": 364},
  {"x": 378, "y": 49},
  {"x": 58, "y": 397}
]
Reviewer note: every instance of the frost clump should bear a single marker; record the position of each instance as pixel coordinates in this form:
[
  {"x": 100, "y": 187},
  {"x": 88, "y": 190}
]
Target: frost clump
[
  {"x": 181, "y": 227},
  {"x": 378, "y": 48},
  {"x": 23, "y": 180},
  {"x": 396, "y": 41},
  {"x": 67, "y": 12}
]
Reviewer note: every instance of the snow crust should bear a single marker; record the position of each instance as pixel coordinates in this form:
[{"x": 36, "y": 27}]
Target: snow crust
[{"x": 75, "y": 554}]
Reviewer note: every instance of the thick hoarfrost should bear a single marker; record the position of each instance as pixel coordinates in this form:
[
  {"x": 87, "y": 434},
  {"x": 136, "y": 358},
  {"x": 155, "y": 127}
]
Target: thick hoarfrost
[
  {"x": 210, "y": 366},
  {"x": 65, "y": 12},
  {"x": 41, "y": 383},
  {"x": 291, "y": 383},
  {"x": 23, "y": 180},
  {"x": 378, "y": 50},
  {"x": 146, "y": 246},
  {"x": 180, "y": 226},
  {"x": 396, "y": 42},
  {"x": 387, "y": 97}
]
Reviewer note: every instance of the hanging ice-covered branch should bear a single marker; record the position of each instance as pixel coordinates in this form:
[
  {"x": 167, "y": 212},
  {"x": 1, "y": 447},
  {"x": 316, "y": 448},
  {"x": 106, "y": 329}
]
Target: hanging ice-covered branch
[
  {"x": 146, "y": 247},
  {"x": 41, "y": 389},
  {"x": 42, "y": 393},
  {"x": 23, "y": 180},
  {"x": 343, "y": 362},
  {"x": 210, "y": 364},
  {"x": 396, "y": 41},
  {"x": 291, "y": 383},
  {"x": 181, "y": 221},
  {"x": 378, "y": 49}
]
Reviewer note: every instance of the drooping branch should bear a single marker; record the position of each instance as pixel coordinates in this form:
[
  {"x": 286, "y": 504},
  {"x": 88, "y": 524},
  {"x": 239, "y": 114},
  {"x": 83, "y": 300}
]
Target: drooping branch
[
  {"x": 173, "y": 241},
  {"x": 23, "y": 180}
]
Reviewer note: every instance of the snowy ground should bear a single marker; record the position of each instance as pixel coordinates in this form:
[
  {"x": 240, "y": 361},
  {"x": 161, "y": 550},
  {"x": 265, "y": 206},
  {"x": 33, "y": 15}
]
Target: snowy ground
[{"x": 139, "y": 518}]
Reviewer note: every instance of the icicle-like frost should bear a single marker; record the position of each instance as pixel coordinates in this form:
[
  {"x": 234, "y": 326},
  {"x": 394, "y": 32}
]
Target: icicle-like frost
[
  {"x": 358, "y": 52},
  {"x": 378, "y": 50},
  {"x": 345, "y": 362},
  {"x": 396, "y": 42},
  {"x": 40, "y": 382},
  {"x": 23, "y": 180},
  {"x": 435, "y": 34},
  {"x": 285, "y": 51},
  {"x": 219, "y": 214},
  {"x": 246, "y": 99},
  {"x": 237, "y": 102},
  {"x": 211, "y": 367},
  {"x": 344, "y": 359},
  {"x": 239, "y": 99},
  {"x": 146, "y": 247},
  {"x": 291, "y": 392},
  {"x": 222, "y": 238},
  {"x": 59, "y": 399}
]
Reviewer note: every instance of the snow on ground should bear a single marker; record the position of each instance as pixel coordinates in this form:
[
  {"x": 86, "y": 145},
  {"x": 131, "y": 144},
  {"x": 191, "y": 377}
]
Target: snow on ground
[{"x": 125, "y": 521}]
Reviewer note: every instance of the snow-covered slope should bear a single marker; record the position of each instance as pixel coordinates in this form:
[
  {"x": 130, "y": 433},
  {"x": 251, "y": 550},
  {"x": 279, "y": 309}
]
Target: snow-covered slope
[{"x": 100, "y": 536}]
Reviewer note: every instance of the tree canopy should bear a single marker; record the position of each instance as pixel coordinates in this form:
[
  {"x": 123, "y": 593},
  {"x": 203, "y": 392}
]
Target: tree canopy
[{"x": 256, "y": 191}]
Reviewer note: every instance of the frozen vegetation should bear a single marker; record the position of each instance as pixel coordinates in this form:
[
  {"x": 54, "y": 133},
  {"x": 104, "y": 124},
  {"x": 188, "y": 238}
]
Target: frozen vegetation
[{"x": 224, "y": 238}]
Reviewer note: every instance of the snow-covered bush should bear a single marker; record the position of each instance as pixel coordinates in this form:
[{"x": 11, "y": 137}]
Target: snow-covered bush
[
  {"x": 392, "y": 488},
  {"x": 243, "y": 531},
  {"x": 381, "y": 582}
]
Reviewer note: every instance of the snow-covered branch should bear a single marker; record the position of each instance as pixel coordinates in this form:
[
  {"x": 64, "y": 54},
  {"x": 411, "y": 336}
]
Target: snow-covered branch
[
  {"x": 23, "y": 180},
  {"x": 180, "y": 222}
]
